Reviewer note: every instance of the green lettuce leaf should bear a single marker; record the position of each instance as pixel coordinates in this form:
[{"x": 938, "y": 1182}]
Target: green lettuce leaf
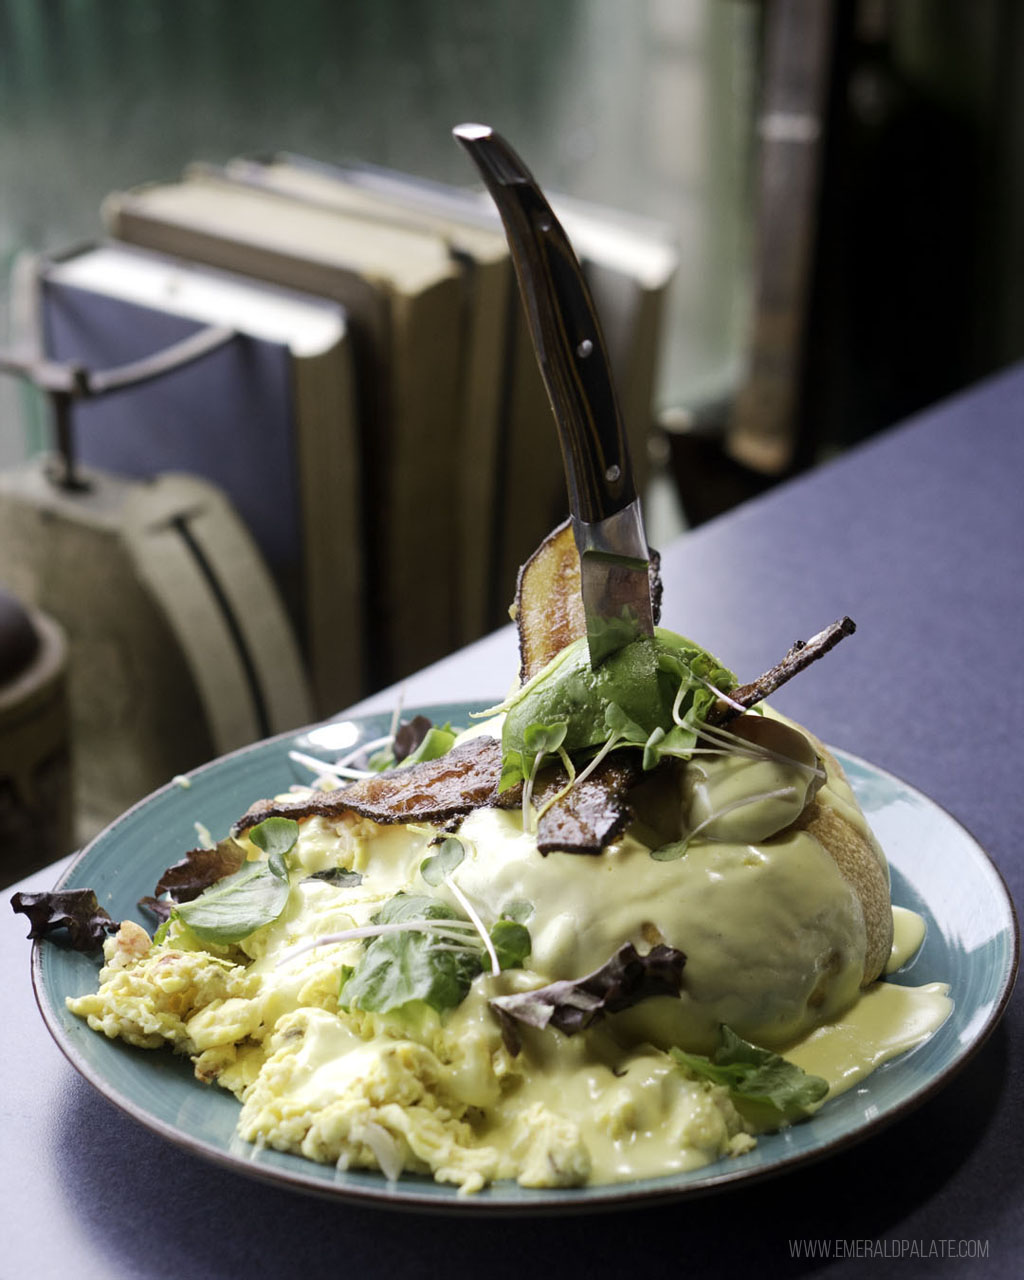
[
  {"x": 415, "y": 740},
  {"x": 766, "y": 1088},
  {"x": 398, "y": 969},
  {"x": 633, "y": 699},
  {"x": 253, "y": 896},
  {"x": 511, "y": 942},
  {"x": 437, "y": 742}
]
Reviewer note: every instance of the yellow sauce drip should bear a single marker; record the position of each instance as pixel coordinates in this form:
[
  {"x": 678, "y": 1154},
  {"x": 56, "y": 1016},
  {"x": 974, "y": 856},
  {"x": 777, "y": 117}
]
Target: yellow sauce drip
[
  {"x": 908, "y": 930},
  {"x": 886, "y": 1021}
]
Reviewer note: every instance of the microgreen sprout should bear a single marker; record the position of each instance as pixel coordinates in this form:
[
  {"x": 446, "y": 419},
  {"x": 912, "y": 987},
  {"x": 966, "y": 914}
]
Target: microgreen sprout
[
  {"x": 725, "y": 742},
  {"x": 447, "y": 934},
  {"x": 621, "y": 729},
  {"x": 322, "y": 771},
  {"x": 341, "y": 769},
  {"x": 576, "y": 778},
  {"x": 681, "y": 692},
  {"x": 735, "y": 744},
  {"x": 364, "y": 748},
  {"x": 465, "y": 950},
  {"x": 541, "y": 741},
  {"x": 478, "y": 924},
  {"x": 437, "y": 868},
  {"x": 721, "y": 694},
  {"x": 453, "y": 929},
  {"x": 570, "y": 769},
  {"x": 396, "y": 714},
  {"x": 379, "y": 753}
]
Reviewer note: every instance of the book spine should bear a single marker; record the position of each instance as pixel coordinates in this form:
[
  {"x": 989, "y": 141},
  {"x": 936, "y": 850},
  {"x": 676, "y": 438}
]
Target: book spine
[
  {"x": 418, "y": 523},
  {"x": 331, "y": 481}
]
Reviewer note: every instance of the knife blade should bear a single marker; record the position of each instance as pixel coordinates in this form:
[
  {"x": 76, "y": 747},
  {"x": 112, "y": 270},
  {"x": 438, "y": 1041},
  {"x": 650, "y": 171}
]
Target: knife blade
[{"x": 566, "y": 333}]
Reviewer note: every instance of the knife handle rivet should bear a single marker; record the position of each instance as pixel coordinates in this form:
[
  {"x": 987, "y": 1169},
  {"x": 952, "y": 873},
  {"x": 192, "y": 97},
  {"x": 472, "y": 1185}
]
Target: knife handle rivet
[
  {"x": 612, "y": 474},
  {"x": 585, "y": 348}
]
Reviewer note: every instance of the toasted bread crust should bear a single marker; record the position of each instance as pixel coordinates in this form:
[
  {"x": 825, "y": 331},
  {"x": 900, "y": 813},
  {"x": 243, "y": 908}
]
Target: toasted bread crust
[{"x": 859, "y": 866}]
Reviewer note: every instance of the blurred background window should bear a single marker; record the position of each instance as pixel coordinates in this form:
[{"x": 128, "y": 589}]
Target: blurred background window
[{"x": 644, "y": 106}]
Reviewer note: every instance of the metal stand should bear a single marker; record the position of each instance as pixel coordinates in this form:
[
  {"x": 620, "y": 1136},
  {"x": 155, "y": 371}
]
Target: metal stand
[{"x": 66, "y": 382}]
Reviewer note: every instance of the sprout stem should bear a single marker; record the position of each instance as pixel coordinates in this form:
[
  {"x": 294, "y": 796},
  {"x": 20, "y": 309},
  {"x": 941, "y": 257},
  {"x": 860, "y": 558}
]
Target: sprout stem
[
  {"x": 743, "y": 746},
  {"x": 779, "y": 794},
  {"x": 373, "y": 745},
  {"x": 324, "y": 770},
  {"x": 423, "y": 925},
  {"x": 570, "y": 769},
  {"x": 478, "y": 924}
]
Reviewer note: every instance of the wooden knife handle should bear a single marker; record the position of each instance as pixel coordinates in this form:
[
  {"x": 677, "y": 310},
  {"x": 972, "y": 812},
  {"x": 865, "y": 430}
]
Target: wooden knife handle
[{"x": 565, "y": 329}]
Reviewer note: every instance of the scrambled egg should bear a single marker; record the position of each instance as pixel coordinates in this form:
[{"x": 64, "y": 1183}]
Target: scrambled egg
[{"x": 414, "y": 1090}]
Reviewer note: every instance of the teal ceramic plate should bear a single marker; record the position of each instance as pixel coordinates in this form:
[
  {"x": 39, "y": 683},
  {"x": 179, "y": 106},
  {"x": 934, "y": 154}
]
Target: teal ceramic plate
[{"x": 938, "y": 870}]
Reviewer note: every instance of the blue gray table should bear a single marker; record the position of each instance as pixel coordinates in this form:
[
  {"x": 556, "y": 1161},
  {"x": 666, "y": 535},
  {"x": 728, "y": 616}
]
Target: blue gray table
[{"x": 919, "y": 535}]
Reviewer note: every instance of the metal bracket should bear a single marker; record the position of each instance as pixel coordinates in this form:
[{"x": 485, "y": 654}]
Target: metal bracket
[{"x": 64, "y": 382}]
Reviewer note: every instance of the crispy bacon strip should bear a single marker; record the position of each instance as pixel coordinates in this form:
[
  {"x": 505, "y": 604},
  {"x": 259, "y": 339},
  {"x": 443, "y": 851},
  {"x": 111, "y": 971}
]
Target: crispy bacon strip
[
  {"x": 439, "y": 791},
  {"x": 591, "y": 814},
  {"x": 434, "y": 791},
  {"x": 801, "y": 655}
]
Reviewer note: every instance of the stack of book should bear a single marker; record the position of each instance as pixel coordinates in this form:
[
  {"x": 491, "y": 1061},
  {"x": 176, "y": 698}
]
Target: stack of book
[{"x": 379, "y": 423}]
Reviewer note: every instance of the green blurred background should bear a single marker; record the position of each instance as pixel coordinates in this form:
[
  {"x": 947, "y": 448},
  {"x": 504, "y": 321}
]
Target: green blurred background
[{"x": 647, "y": 105}]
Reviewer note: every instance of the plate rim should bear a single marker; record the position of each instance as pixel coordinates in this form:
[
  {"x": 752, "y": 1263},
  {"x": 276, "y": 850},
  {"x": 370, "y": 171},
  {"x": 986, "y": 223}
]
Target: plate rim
[{"x": 404, "y": 1194}]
